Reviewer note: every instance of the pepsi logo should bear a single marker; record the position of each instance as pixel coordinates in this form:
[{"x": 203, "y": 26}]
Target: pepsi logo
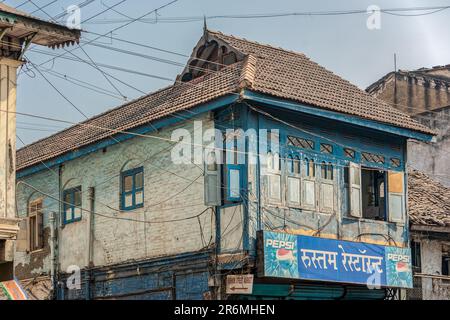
[
  {"x": 280, "y": 244},
  {"x": 285, "y": 255}
]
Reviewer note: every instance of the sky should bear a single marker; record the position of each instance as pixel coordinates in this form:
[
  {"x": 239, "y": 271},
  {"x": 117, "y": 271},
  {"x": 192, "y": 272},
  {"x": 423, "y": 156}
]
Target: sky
[{"x": 342, "y": 44}]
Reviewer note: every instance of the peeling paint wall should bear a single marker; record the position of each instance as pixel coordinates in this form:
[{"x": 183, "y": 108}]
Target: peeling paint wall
[
  {"x": 434, "y": 286},
  {"x": 337, "y": 225},
  {"x": 433, "y": 158},
  {"x": 427, "y": 100},
  {"x": 172, "y": 192}
]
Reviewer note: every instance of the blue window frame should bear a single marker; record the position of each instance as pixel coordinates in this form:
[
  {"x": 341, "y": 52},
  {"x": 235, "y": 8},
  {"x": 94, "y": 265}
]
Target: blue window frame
[
  {"x": 132, "y": 189},
  {"x": 72, "y": 205},
  {"x": 234, "y": 182}
]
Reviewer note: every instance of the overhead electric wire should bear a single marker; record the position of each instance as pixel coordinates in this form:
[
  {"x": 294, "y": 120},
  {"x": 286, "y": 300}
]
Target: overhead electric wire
[
  {"x": 110, "y": 216},
  {"x": 101, "y": 71},
  {"x": 181, "y": 19},
  {"x": 59, "y": 92},
  {"x": 118, "y": 28}
]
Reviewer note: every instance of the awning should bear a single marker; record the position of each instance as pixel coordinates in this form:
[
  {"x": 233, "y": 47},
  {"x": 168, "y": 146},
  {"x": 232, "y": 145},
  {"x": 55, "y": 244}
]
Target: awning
[{"x": 314, "y": 292}]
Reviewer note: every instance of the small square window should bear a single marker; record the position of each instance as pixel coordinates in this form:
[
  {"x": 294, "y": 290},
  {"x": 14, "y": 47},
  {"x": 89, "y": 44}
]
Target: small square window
[
  {"x": 300, "y": 143},
  {"x": 396, "y": 163},
  {"x": 326, "y": 148},
  {"x": 349, "y": 153}
]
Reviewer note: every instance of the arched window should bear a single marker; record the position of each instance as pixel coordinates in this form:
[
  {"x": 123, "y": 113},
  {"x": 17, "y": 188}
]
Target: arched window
[
  {"x": 290, "y": 164},
  {"x": 269, "y": 161},
  {"x": 310, "y": 168},
  {"x": 324, "y": 170},
  {"x": 330, "y": 172},
  {"x": 276, "y": 162},
  {"x": 212, "y": 161},
  {"x": 297, "y": 165}
]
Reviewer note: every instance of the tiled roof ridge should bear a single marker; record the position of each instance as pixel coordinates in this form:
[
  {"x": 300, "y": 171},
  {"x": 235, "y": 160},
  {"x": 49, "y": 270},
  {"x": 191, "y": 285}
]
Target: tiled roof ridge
[
  {"x": 295, "y": 53},
  {"x": 144, "y": 110},
  {"x": 248, "y": 72},
  {"x": 256, "y": 42}
]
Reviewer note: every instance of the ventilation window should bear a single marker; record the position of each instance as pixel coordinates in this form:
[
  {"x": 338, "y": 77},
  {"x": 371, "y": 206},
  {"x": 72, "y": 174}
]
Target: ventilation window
[
  {"x": 349, "y": 153},
  {"x": 396, "y": 163},
  {"x": 326, "y": 148},
  {"x": 301, "y": 143},
  {"x": 371, "y": 157}
]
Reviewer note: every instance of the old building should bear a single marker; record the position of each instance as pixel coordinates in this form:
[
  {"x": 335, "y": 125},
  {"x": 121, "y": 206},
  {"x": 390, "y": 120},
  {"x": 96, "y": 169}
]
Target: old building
[
  {"x": 18, "y": 30},
  {"x": 425, "y": 95},
  {"x": 429, "y": 208},
  {"x": 310, "y": 197}
]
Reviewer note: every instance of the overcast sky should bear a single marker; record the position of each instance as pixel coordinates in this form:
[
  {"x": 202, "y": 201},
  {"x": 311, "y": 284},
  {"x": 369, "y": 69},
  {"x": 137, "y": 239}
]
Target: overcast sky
[{"x": 343, "y": 44}]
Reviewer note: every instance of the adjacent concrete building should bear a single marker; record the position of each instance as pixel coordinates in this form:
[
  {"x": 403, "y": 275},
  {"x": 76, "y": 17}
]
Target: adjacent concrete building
[
  {"x": 18, "y": 30},
  {"x": 429, "y": 208},
  {"x": 424, "y": 94}
]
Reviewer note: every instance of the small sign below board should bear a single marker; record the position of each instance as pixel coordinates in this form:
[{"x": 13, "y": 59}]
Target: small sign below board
[{"x": 240, "y": 284}]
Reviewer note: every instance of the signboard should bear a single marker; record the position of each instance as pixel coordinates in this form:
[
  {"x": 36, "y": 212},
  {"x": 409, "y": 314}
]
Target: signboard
[
  {"x": 310, "y": 258},
  {"x": 13, "y": 290},
  {"x": 240, "y": 284}
]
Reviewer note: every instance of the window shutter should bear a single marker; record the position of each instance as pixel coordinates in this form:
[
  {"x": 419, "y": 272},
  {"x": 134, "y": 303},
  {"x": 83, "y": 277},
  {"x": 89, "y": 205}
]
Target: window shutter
[
  {"x": 293, "y": 191},
  {"x": 355, "y": 190},
  {"x": 274, "y": 188},
  {"x": 40, "y": 230},
  {"x": 396, "y": 196},
  {"x": 22, "y": 236},
  {"x": 212, "y": 185},
  {"x": 327, "y": 197},
  {"x": 234, "y": 182},
  {"x": 309, "y": 194}
]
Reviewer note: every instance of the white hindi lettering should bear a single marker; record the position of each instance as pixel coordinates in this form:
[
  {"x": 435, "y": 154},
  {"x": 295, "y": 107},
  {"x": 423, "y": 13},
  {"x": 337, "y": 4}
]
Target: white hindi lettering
[
  {"x": 361, "y": 262},
  {"x": 324, "y": 259}
]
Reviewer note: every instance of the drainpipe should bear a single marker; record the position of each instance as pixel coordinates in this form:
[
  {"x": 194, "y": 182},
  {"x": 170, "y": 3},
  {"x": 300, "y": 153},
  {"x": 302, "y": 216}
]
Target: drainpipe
[
  {"x": 90, "y": 257},
  {"x": 59, "y": 287},
  {"x": 52, "y": 249}
]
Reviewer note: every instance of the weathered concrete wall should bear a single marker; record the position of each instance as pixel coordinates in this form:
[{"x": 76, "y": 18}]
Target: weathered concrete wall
[
  {"x": 31, "y": 264},
  {"x": 8, "y": 69},
  {"x": 172, "y": 192},
  {"x": 433, "y": 288},
  {"x": 414, "y": 95},
  {"x": 433, "y": 158},
  {"x": 183, "y": 277}
]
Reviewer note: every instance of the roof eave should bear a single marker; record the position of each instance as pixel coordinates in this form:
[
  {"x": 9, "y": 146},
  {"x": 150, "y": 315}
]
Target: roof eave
[
  {"x": 343, "y": 117},
  {"x": 430, "y": 228},
  {"x": 46, "y": 33}
]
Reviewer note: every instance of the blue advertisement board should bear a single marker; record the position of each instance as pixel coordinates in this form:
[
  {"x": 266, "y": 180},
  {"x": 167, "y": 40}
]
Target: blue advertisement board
[{"x": 310, "y": 258}]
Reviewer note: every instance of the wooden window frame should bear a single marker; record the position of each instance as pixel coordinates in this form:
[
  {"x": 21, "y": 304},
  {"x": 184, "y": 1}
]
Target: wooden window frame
[
  {"x": 131, "y": 173},
  {"x": 36, "y": 244},
  {"x": 71, "y": 205}
]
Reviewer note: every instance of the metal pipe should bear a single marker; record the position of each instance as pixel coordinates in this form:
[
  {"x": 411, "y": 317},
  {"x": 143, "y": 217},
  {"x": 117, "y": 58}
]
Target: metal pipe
[
  {"x": 52, "y": 249},
  {"x": 90, "y": 257}
]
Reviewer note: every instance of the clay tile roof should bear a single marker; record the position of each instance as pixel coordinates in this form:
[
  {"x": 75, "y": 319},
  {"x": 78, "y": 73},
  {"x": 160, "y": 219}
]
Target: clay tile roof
[
  {"x": 429, "y": 201},
  {"x": 144, "y": 110},
  {"x": 265, "y": 69},
  {"x": 292, "y": 75}
]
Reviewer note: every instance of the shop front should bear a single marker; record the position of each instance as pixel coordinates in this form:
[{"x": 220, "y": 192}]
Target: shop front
[{"x": 301, "y": 267}]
